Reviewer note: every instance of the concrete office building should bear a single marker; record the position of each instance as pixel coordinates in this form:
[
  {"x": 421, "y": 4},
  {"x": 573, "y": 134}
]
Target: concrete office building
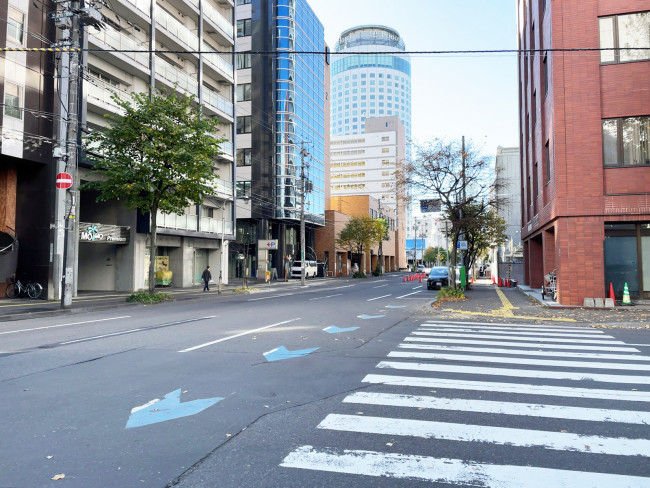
[
  {"x": 281, "y": 131},
  {"x": 176, "y": 31},
  {"x": 509, "y": 256},
  {"x": 585, "y": 146},
  {"x": 139, "y": 44},
  {"x": 368, "y": 164}
]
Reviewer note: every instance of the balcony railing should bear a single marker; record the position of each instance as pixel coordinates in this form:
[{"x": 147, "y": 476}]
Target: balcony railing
[
  {"x": 216, "y": 226},
  {"x": 215, "y": 59},
  {"x": 174, "y": 221},
  {"x": 176, "y": 29},
  {"x": 223, "y": 189},
  {"x": 215, "y": 16},
  {"x": 142, "y": 5},
  {"x": 104, "y": 95},
  {"x": 176, "y": 76},
  {"x": 218, "y": 101},
  {"x": 226, "y": 148},
  {"x": 120, "y": 41}
]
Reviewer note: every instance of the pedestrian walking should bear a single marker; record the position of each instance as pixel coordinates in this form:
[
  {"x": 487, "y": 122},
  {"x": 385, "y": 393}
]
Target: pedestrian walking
[
  {"x": 287, "y": 267},
  {"x": 206, "y": 277}
]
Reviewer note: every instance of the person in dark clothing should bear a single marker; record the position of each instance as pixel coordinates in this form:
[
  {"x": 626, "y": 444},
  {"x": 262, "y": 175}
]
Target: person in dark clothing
[{"x": 206, "y": 277}]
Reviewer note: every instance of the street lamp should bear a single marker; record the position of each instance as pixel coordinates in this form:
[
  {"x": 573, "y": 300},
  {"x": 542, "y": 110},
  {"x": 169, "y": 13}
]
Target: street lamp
[{"x": 303, "y": 154}]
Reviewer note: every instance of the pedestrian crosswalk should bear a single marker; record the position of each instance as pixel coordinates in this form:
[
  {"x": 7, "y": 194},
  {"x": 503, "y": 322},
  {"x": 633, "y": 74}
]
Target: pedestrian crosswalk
[{"x": 503, "y": 399}]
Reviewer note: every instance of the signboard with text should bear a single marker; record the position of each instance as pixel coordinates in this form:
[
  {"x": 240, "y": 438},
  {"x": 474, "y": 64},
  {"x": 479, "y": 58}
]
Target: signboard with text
[
  {"x": 430, "y": 205},
  {"x": 103, "y": 233}
]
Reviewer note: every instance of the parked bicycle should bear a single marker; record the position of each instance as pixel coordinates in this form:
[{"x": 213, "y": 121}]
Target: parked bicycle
[
  {"x": 16, "y": 289},
  {"x": 551, "y": 288}
]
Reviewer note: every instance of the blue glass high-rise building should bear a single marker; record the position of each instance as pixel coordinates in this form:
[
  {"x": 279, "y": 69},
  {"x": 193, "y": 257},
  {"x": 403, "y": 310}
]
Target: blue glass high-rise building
[
  {"x": 282, "y": 117},
  {"x": 373, "y": 80}
]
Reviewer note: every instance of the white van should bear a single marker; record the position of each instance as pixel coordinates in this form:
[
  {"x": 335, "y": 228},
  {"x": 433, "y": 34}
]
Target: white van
[{"x": 311, "y": 269}]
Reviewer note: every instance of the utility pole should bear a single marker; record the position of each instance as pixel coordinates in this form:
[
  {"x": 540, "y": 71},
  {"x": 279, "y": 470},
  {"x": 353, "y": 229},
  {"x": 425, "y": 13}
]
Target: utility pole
[
  {"x": 303, "y": 188},
  {"x": 69, "y": 19},
  {"x": 381, "y": 241}
]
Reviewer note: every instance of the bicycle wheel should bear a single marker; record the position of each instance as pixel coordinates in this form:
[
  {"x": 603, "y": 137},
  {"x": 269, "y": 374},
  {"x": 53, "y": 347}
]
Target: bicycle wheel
[
  {"x": 34, "y": 290},
  {"x": 11, "y": 290}
]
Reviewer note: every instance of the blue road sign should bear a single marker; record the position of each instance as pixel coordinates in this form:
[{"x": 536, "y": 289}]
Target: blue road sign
[
  {"x": 170, "y": 407},
  {"x": 333, "y": 329},
  {"x": 283, "y": 353}
]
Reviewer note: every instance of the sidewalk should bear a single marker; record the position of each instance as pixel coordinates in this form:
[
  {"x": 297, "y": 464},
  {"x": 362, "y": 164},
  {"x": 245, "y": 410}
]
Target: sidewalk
[
  {"x": 488, "y": 302},
  {"x": 24, "y": 308}
]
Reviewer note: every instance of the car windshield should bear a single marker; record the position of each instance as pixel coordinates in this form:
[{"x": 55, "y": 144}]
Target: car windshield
[{"x": 438, "y": 271}]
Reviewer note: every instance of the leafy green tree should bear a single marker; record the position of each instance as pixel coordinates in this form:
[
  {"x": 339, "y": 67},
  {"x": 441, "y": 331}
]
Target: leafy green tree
[
  {"x": 157, "y": 155},
  {"x": 361, "y": 233},
  {"x": 435, "y": 255},
  {"x": 484, "y": 230}
]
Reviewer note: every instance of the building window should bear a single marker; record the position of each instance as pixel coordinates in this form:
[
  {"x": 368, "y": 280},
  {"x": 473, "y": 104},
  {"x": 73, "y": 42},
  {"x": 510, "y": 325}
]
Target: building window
[
  {"x": 243, "y": 189},
  {"x": 545, "y": 74},
  {"x": 244, "y": 157},
  {"x": 244, "y": 27},
  {"x": 244, "y": 92},
  {"x": 244, "y": 124},
  {"x": 243, "y": 60},
  {"x": 243, "y": 2},
  {"x": 626, "y": 141},
  {"x": 385, "y": 138},
  {"x": 13, "y": 100},
  {"x": 620, "y": 33},
  {"x": 547, "y": 157},
  {"x": 385, "y": 150},
  {"x": 16, "y": 25}
]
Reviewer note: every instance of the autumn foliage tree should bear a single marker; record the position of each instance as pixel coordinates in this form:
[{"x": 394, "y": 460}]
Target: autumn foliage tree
[{"x": 360, "y": 234}]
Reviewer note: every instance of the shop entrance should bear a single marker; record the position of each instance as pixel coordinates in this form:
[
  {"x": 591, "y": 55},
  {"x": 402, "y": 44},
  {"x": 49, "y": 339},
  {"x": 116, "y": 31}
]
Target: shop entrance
[{"x": 627, "y": 258}]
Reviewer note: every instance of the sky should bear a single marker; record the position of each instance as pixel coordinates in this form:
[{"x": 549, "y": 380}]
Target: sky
[{"x": 452, "y": 95}]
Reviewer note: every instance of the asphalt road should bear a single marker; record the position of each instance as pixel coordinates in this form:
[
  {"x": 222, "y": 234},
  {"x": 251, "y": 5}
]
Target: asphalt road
[{"x": 266, "y": 390}]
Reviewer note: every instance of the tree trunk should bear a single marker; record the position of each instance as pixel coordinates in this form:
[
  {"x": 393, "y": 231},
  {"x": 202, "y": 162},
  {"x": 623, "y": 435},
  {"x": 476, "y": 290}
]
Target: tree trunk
[{"x": 153, "y": 245}]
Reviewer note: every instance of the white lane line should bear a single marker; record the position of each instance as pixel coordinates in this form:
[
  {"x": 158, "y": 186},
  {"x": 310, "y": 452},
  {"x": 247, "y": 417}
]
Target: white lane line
[
  {"x": 237, "y": 335},
  {"x": 534, "y": 345},
  {"x": 522, "y": 361},
  {"x": 416, "y": 287},
  {"x": 64, "y": 325},
  {"x": 481, "y": 328},
  {"x": 557, "y": 441},
  {"x": 519, "y": 388},
  {"x": 328, "y": 296},
  {"x": 380, "y": 286},
  {"x": 273, "y": 296},
  {"x": 409, "y": 294},
  {"x": 501, "y": 408},
  {"x": 427, "y": 328},
  {"x": 525, "y": 352},
  {"x": 517, "y": 373},
  {"x": 339, "y": 287},
  {"x": 513, "y": 338},
  {"x": 377, "y": 298},
  {"x": 507, "y": 325},
  {"x": 452, "y": 472},
  {"x": 130, "y": 331}
]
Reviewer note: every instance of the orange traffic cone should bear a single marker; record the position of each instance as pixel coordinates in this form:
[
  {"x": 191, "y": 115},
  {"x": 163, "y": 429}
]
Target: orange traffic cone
[{"x": 611, "y": 293}]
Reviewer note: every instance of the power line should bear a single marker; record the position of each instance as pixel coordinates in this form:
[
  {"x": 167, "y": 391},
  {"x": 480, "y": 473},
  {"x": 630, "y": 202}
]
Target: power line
[{"x": 271, "y": 53}]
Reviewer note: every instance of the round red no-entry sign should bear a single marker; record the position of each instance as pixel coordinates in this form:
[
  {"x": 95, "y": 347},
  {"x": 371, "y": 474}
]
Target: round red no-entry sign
[{"x": 63, "y": 181}]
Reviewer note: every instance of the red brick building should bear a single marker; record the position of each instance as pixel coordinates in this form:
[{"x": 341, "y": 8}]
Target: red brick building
[{"x": 585, "y": 155}]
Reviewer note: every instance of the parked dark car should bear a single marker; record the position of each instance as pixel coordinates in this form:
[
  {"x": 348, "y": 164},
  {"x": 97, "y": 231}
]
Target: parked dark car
[{"x": 438, "y": 277}]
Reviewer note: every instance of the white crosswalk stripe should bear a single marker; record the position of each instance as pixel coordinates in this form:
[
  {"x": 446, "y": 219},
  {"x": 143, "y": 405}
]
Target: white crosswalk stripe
[{"x": 559, "y": 361}]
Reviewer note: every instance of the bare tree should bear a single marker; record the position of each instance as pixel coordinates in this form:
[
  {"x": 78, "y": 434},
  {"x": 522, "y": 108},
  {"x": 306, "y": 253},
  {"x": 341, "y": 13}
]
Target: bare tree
[{"x": 459, "y": 175}]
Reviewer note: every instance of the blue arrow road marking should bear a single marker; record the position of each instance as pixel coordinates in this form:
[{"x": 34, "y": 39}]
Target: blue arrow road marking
[
  {"x": 283, "y": 353},
  {"x": 394, "y": 306},
  {"x": 333, "y": 329},
  {"x": 168, "y": 408},
  {"x": 366, "y": 317}
]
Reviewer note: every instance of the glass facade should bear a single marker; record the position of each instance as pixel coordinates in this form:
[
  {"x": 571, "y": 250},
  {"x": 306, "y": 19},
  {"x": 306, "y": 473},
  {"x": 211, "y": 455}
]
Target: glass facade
[{"x": 299, "y": 111}]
